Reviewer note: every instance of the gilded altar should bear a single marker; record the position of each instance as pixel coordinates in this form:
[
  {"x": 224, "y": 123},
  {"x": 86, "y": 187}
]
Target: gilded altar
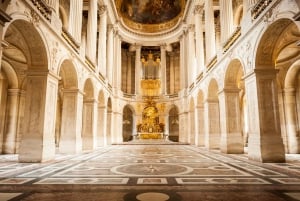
[
  {"x": 151, "y": 135},
  {"x": 150, "y": 128}
]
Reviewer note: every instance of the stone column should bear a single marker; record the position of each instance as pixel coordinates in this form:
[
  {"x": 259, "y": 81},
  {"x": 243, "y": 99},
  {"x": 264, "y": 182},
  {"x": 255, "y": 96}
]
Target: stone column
[
  {"x": 212, "y": 124},
  {"x": 11, "y": 120},
  {"x": 89, "y": 134},
  {"x": 201, "y": 137},
  {"x": 163, "y": 68},
  {"x": 183, "y": 70},
  {"x": 37, "y": 144},
  {"x": 291, "y": 121},
  {"x": 137, "y": 69},
  {"x": 226, "y": 18},
  {"x": 109, "y": 123},
  {"x": 102, "y": 118},
  {"x": 92, "y": 31},
  {"x": 210, "y": 36},
  {"x": 102, "y": 40},
  {"x": 199, "y": 38},
  {"x": 117, "y": 62},
  {"x": 75, "y": 19},
  {"x": 265, "y": 142},
  {"x": 183, "y": 128},
  {"x": 172, "y": 74},
  {"x": 71, "y": 122},
  {"x": 191, "y": 55},
  {"x": 110, "y": 53},
  {"x": 3, "y": 103},
  {"x": 283, "y": 128},
  {"x": 191, "y": 124},
  {"x": 166, "y": 131},
  {"x": 230, "y": 122},
  {"x": 117, "y": 130}
]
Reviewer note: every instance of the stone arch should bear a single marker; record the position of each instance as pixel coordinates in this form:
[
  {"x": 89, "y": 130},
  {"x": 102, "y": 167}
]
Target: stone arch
[
  {"x": 128, "y": 123},
  {"x": 89, "y": 116},
  {"x": 27, "y": 51},
  {"x": 8, "y": 97},
  {"x": 231, "y": 100},
  {"x": 273, "y": 40},
  {"x": 26, "y": 45},
  {"x": 68, "y": 73},
  {"x": 173, "y": 123},
  {"x": 212, "y": 116},
  {"x": 200, "y": 119},
  {"x": 213, "y": 88},
  {"x": 69, "y": 102},
  {"x": 292, "y": 108},
  {"x": 266, "y": 106}
]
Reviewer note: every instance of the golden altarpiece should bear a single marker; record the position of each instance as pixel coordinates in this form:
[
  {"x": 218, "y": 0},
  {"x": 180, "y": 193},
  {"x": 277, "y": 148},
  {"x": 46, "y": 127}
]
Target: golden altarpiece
[{"x": 150, "y": 126}]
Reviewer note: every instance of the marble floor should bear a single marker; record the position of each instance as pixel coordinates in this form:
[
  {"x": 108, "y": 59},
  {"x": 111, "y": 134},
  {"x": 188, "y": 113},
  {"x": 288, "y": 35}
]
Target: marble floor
[{"x": 150, "y": 172}]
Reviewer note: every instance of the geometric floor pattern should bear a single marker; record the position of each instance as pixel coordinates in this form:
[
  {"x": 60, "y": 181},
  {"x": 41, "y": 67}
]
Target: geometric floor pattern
[{"x": 150, "y": 172}]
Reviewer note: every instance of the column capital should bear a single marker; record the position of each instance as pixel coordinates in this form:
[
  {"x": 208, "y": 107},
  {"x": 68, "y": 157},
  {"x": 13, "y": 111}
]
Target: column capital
[
  {"x": 102, "y": 9},
  {"x": 135, "y": 47},
  {"x": 199, "y": 9},
  {"x": 163, "y": 46}
]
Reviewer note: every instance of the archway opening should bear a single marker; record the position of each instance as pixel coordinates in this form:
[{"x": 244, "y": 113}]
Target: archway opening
[
  {"x": 174, "y": 124},
  {"x": 128, "y": 124}
]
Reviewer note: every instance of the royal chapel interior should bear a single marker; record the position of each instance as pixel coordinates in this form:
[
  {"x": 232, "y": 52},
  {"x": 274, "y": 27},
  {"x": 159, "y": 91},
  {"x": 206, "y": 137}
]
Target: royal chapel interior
[{"x": 150, "y": 100}]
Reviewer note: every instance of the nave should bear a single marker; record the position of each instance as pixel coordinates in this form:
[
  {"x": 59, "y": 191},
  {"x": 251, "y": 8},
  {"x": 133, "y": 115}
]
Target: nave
[{"x": 159, "y": 172}]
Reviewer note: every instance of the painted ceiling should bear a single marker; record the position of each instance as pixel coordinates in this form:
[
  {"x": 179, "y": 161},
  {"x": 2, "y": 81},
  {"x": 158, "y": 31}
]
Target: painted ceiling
[{"x": 150, "y": 15}]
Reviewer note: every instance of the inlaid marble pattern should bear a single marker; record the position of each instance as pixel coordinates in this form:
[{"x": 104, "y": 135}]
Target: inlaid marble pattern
[{"x": 132, "y": 172}]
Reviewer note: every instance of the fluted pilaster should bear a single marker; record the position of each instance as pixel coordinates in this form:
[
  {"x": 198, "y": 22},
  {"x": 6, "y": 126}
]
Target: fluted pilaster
[
  {"x": 75, "y": 19},
  {"x": 191, "y": 55},
  {"x": 226, "y": 19},
  {"x": 92, "y": 31},
  {"x": 110, "y": 48},
  {"x": 209, "y": 30},
  {"x": 102, "y": 40},
  {"x": 163, "y": 64},
  {"x": 199, "y": 38},
  {"x": 137, "y": 69},
  {"x": 183, "y": 70}
]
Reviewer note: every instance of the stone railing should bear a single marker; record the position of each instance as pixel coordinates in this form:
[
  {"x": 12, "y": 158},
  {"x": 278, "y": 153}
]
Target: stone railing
[
  {"x": 236, "y": 34},
  {"x": 43, "y": 8},
  {"x": 199, "y": 78},
  {"x": 90, "y": 63},
  {"x": 259, "y": 7},
  {"x": 70, "y": 40},
  {"x": 211, "y": 63},
  {"x": 191, "y": 86}
]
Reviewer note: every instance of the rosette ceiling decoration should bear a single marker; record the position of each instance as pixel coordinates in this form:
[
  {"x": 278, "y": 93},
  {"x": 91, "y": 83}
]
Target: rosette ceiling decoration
[{"x": 150, "y": 15}]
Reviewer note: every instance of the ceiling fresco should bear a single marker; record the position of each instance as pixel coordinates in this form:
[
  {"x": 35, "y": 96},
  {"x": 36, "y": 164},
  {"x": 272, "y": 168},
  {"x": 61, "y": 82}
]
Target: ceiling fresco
[{"x": 150, "y": 15}]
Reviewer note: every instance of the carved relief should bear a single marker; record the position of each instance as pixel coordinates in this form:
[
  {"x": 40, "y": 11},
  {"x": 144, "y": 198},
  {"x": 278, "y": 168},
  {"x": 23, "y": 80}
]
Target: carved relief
[{"x": 33, "y": 17}]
